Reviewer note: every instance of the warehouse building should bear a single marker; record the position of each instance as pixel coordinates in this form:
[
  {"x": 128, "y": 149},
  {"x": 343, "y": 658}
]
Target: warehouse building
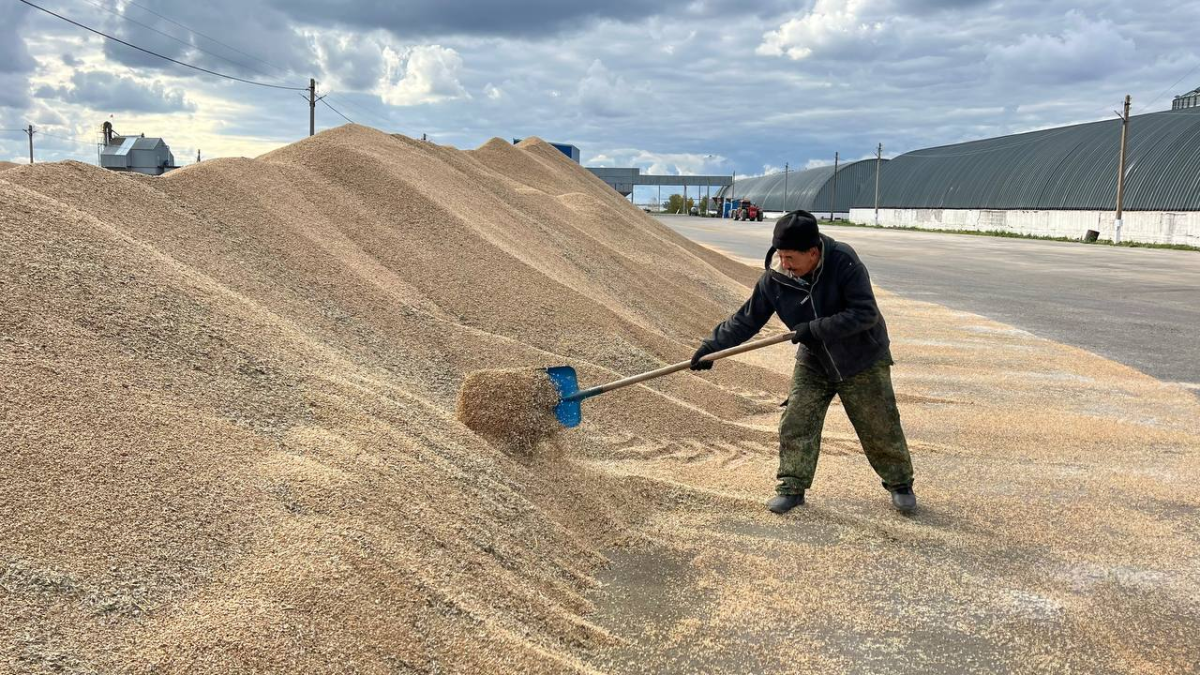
[
  {"x": 138, "y": 154},
  {"x": 625, "y": 179},
  {"x": 820, "y": 190},
  {"x": 1188, "y": 100},
  {"x": 1054, "y": 182}
]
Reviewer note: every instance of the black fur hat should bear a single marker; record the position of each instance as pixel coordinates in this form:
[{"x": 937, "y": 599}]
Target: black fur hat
[{"x": 794, "y": 231}]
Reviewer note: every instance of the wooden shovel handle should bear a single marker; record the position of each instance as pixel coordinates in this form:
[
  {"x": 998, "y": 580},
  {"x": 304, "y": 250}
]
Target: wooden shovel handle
[{"x": 667, "y": 370}]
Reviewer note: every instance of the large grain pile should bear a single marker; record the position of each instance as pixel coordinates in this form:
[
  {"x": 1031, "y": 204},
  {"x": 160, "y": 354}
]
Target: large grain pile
[
  {"x": 228, "y": 405},
  {"x": 7, "y": 165},
  {"x": 227, "y": 408}
]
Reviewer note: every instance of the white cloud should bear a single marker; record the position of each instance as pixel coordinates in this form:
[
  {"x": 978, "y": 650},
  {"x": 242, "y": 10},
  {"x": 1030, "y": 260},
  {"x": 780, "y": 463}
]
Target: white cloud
[
  {"x": 602, "y": 93},
  {"x": 829, "y": 23},
  {"x": 106, "y": 92},
  {"x": 422, "y": 74},
  {"x": 1084, "y": 51},
  {"x": 350, "y": 62},
  {"x": 909, "y": 73},
  {"x": 662, "y": 163},
  {"x": 16, "y": 64}
]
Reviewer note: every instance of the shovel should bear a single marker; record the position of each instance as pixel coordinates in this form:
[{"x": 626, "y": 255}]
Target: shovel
[{"x": 568, "y": 410}]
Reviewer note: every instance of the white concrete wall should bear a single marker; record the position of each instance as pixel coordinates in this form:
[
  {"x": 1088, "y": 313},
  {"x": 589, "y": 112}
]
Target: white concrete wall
[{"x": 1155, "y": 227}]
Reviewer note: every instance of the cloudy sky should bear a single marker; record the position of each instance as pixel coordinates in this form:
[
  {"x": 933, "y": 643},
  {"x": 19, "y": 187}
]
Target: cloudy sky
[{"x": 673, "y": 86}]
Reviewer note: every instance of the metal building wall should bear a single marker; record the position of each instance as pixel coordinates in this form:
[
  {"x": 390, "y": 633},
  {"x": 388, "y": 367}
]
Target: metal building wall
[
  {"x": 1071, "y": 167},
  {"x": 810, "y": 189},
  {"x": 852, "y": 179},
  {"x": 1154, "y": 227}
]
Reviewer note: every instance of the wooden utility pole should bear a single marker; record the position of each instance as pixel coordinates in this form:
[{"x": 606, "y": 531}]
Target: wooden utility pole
[
  {"x": 1121, "y": 173},
  {"x": 833, "y": 192},
  {"x": 312, "y": 106},
  {"x": 878, "y": 166},
  {"x": 30, "y": 132}
]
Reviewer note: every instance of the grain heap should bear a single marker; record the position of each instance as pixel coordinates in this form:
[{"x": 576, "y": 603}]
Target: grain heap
[
  {"x": 227, "y": 402},
  {"x": 228, "y": 398},
  {"x": 7, "y": 165}
]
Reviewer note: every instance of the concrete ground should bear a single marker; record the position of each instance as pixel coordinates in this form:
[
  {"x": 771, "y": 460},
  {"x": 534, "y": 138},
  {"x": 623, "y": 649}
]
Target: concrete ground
[
  {"x": 1057, "y": 529},
  {"x": 1139, "y": 307}
]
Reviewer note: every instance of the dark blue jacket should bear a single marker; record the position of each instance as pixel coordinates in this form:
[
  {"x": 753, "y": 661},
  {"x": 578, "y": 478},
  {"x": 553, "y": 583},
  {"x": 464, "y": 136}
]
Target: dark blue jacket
[{"x": 835, "y": 300}]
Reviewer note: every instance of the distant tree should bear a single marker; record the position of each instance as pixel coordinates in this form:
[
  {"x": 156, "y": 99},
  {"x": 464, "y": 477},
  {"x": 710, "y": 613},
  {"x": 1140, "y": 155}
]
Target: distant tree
[
  {"x": 675, "y": 204},
  {"x": 704, "y": 206}
]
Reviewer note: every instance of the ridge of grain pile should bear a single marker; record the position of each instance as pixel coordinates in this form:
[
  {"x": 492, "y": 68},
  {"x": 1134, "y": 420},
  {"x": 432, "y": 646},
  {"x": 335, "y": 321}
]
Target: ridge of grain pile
[
  {"x": 228, "y": 405},
  {"x": 7, "y": 165}
]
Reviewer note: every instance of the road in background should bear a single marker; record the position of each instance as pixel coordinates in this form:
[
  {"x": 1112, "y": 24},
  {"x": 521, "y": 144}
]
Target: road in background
[{"x": 1137, "y": 306}]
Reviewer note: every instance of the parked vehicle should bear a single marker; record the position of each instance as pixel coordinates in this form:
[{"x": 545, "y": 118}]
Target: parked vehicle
[{"x": 748, "y": 211}]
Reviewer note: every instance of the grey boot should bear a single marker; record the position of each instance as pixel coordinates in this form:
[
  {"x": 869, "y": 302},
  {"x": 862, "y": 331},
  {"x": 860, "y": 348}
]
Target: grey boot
[
  {"x": 784, "y": 503},
  {"x": 904, "y": 500}
]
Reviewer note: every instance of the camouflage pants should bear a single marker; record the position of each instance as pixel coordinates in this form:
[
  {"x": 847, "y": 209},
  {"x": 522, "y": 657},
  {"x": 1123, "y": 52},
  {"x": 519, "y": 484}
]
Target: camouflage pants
[{"x": 870, "y": 403}]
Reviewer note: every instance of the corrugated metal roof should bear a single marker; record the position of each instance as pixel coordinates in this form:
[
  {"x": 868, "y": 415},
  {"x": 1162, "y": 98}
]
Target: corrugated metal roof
[
  {"x": 121, "y": 145},
  {"x": 147, "y": 143},
  {"x": 1071, "y": 167},
  {"x": 122, "y": 149},
  {"x": 810, "y": 189}
]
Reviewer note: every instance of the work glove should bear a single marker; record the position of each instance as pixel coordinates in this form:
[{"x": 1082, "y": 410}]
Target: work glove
[
  {"x": 803, "y": 334},
  {"x": 704, "y": 350}
]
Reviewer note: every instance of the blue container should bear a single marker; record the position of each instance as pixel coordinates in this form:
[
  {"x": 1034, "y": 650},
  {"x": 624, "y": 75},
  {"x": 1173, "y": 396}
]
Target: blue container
[{"x": 568, "y": 150}]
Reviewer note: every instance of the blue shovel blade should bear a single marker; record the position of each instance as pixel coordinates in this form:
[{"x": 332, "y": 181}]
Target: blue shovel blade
[{"x": 567, "y": 411}]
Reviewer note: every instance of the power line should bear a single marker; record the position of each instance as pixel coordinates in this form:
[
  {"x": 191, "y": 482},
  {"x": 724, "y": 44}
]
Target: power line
[
  {"x": 1173, "y": 85},
  {"x": 196, "y": 32},
  {"x": 344, "y": 101},
  {"x": 73, "y": 139},
  {"x": 361, "y": 109},
  {"x": 385, "y": 122},
  {"x": 172, "y": 37},
  {"x": 166, "y": 58},
  {"x": 336, "y": 110}
]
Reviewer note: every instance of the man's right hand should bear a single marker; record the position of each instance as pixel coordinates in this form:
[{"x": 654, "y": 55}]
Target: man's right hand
[
  {"x": 704, "y": 350},
  {"x": 803, "y": 334}
]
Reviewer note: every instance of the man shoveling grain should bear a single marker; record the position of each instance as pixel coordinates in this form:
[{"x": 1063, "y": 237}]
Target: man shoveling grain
[{"x": 821, "y": 290}]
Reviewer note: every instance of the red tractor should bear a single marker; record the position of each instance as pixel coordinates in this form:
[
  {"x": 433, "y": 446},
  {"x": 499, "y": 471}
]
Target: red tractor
[{"x": 748, "y": 211}]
